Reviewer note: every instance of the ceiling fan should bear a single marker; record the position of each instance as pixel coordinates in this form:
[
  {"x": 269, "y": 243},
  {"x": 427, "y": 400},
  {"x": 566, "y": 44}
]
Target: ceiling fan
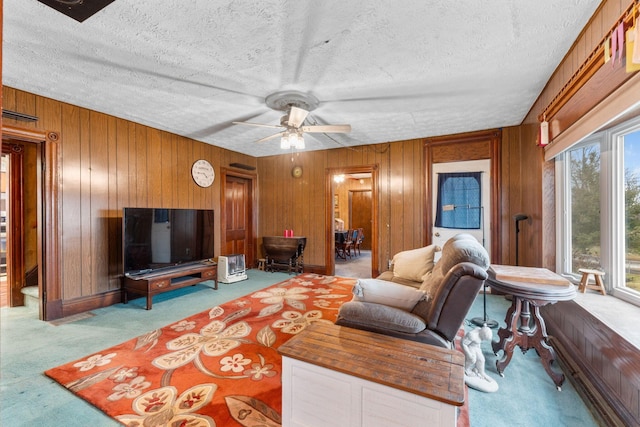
[{"x": 297, "y": 106}]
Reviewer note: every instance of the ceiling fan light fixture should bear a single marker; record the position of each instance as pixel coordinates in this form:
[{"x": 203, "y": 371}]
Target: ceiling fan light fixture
[
  {"x": 297, "y": 106},
  {"x": 292, "y": 139},
  {"x": 284, "y": 100},
  {"x": 285, "y": 144},
  {"x": 298, "y": 141}
]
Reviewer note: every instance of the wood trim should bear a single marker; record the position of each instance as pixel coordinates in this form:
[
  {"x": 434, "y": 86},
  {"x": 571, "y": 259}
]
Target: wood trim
[
  {"x": 48, "y": 227},
  {"x": 315, "y": 269},
  {"x": 83, "y": 304},
  {"x": 464, "y": 147},
  {"x": 251, "y": 254},
  {"x": 22, "y": 134},
  {"x": 621, "y": 100},
  {"x": 374, "y": 170},
  {"x": 586, "y": 70}
]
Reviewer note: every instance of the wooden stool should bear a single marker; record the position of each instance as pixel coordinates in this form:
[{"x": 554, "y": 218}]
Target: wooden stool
[
  {"x": 584, "y": 283},
  {"x": 261, "y": 262}
]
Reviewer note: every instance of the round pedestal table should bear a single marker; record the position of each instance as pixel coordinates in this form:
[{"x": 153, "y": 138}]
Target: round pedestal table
[{"x": 531, "y": 288}]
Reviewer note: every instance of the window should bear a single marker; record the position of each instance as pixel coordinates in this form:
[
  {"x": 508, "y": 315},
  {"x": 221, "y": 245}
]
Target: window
[
  {"x": 459, "y": 200},
  {"x": 598, "y": 187}
]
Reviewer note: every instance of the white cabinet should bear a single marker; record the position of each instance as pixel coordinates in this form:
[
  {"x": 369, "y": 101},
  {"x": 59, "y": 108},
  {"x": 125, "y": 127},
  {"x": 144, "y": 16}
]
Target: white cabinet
[
  {"x": 337, "y": 376},
  {"x": 318, "y": 397}
]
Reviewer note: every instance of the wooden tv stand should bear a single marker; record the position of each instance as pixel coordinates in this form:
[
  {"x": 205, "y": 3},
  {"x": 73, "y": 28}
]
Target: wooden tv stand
[{"x": 158, "y": 282}]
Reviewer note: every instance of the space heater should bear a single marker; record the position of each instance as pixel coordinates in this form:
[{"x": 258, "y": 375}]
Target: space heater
[{"x": 231, "y": 268}]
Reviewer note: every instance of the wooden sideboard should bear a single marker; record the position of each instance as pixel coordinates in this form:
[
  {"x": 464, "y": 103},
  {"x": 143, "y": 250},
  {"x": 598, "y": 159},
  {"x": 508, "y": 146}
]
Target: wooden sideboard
[
  {"x": 334, "y": 375},
  {"x": 158, "y": 282}
]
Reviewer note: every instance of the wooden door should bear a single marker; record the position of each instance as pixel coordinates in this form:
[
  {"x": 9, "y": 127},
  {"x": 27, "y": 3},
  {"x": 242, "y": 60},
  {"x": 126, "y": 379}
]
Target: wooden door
[
  {"x": 360, "y": 214},
  {"x": 13, "y": 222},
  {"x": 237, "y": 217}
]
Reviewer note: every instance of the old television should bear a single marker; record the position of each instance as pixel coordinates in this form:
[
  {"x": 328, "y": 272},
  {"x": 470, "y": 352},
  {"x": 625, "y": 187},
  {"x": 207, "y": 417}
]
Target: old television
[
  {"x": 158, "y": 238},
  {"x": 231, "y": 268}
]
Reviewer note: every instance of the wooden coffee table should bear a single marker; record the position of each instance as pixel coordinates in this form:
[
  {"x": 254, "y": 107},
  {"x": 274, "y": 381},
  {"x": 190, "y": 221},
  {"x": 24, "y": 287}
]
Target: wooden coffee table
[{"x": 531, "y": 289}]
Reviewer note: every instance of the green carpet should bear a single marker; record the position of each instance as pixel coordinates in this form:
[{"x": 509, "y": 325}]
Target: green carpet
[
  {"x": 28, "y": 347},
  {"x": 527, "y": 396}
]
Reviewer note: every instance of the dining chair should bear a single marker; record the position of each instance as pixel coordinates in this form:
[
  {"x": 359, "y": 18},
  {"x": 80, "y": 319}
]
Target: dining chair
[{"x": 358, "y": 239}]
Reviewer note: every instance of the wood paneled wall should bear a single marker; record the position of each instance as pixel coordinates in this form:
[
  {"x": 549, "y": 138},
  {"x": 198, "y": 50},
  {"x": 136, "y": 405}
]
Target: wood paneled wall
[
  {"x": 531, "y": 179},
  {"x": 107, "y": 163},
  {"x": 299, "y": 203},
  {"x": 522, "y": 170}
]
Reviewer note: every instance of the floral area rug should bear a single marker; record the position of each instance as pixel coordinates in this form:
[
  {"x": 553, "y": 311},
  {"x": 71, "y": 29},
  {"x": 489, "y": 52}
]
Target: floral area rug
[{"x": 217, "y": 368}]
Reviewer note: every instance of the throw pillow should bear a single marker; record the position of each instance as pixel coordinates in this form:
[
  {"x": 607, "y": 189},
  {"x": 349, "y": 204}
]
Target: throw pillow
[
  {"x": 415, "y": 263},
  {"x": 387, "y": 293}
]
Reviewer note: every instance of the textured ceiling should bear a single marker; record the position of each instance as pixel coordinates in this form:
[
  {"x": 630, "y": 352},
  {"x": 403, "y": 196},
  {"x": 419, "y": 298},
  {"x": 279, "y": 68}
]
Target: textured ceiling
[{"x": 393, "y": 70}]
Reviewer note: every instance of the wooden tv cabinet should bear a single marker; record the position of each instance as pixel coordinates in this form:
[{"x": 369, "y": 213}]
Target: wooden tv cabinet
[{"x": 158, "y": 282}]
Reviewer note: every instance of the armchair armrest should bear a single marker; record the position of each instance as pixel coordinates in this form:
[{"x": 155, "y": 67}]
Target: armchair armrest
[
  {"x": 453, "y": 299},
  {"x": 378, "y": 317}
]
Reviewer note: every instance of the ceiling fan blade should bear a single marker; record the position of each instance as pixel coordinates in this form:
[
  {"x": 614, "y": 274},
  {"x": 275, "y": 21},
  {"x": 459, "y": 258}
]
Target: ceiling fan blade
[
  {"x": 297, "y": 116},
  {"x": 327, "y": 128},
  {"x": 259, "y": 125},
  {"x": 219, "y": 127},
  {"x": 270, "y": 137}
]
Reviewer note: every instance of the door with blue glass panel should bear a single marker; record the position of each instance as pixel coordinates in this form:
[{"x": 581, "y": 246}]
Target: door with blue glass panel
[{"x": 462, "y": 194}]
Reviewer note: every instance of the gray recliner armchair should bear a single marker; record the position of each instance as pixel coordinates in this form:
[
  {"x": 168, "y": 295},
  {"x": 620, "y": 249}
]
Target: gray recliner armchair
[{"x": 443, "y": 299}]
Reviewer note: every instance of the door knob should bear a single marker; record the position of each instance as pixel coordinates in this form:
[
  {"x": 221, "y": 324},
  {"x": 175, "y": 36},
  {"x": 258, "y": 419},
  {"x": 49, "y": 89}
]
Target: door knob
[{"x": 437, "y": 234}]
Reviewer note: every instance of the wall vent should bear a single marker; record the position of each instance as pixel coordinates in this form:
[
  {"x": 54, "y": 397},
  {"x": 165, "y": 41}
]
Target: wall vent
[
  {"x": 243, "y": 166},
  {"x": 7, "y": 114}
]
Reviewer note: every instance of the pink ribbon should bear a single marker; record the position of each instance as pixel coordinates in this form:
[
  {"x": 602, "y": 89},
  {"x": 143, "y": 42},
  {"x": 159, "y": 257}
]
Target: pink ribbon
[{"x": 617, "y": 43}]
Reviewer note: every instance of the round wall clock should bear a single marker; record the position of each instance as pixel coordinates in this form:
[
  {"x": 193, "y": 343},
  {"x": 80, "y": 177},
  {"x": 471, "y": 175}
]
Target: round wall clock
[
  {"x": 203, "y": 173},
  {"x": 296, "y": 171}
]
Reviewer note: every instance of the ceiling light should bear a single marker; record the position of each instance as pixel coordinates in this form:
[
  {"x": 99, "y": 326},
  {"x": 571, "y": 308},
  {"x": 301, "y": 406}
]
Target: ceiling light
[
  {"x": 285, "y": 144},
  {"x": 292, "y": 139}
]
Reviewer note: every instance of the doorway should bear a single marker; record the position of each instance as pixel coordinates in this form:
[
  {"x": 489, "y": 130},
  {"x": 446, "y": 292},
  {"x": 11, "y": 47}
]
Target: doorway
[
  {"x": 33, "y": 199},
  {"x": 352, "y": 195},
  {"x": 4, "y": 207},
  {"x": 18, "y": 201}
]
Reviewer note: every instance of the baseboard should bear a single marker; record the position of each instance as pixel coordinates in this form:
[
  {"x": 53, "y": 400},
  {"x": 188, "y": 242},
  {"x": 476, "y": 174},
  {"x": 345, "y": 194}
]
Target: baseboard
[
  {"x": 315, "y": 269},
  {"x": 80, "y": 305},
  {"x": 53, "y": 310}
]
